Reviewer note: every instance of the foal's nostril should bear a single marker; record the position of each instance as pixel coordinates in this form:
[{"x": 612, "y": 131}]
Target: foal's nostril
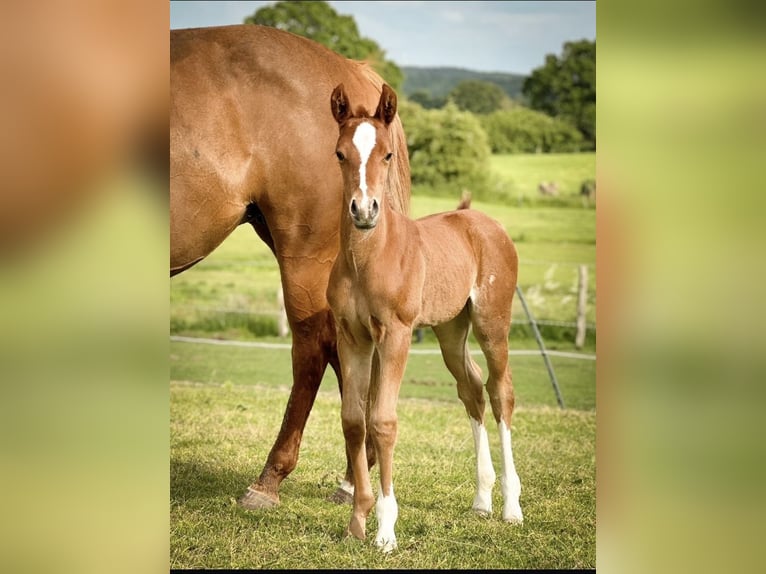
[
  {"x": 354, "y": 209},
  {"x": 374, "y": 210}
]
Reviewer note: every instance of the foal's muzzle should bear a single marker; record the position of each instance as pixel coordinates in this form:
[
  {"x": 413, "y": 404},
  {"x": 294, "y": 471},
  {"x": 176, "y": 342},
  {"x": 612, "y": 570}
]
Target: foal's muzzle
[{"x": 364, "y": 213}]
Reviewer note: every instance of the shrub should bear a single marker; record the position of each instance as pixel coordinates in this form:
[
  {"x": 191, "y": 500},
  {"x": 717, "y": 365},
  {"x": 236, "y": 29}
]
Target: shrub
[
  {"x": 448, "y": 149},
  {"x": 521, "y": 130}
]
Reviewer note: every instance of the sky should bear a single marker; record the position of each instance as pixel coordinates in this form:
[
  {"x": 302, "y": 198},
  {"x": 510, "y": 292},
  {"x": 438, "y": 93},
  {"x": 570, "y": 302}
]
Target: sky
[{"x": 491, "y": 36}]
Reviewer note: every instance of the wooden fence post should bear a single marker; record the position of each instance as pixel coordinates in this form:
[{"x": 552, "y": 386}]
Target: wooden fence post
[{"x": 582, "y": 301}]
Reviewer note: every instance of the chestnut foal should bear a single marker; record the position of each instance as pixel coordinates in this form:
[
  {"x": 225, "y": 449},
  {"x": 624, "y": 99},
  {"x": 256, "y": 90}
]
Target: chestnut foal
[{"x": 451, "y": 271}]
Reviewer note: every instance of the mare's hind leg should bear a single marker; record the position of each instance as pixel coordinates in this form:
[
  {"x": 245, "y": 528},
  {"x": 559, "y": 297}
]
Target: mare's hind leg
[
  {"x": 452, "y": 340},
  {"x": 491, "y": 332}
]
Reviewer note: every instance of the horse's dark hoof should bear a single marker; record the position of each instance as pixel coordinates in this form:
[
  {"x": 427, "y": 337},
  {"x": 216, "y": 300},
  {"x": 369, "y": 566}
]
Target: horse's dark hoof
[
  {"x": 257, "y": 500},
  {"x": 341, "y": 496}
]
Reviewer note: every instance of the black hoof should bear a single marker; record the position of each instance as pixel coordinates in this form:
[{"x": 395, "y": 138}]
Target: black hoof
[{"x": 341, "y": 496}]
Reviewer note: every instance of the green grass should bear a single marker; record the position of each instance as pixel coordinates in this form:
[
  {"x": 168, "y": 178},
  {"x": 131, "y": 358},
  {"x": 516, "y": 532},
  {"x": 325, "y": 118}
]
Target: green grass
[
  {"x": 220, "y": 436},
  {"x": 425, "y": 377},
  {"x": 520, "y": 174}
]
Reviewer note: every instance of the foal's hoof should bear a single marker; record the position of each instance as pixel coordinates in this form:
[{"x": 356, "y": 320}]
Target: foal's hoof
[
  {"x": 386, "y": 544},
  {"x": 513, "y": 515},
  {"x": 341, "y": 496},
  {"x": 356, "y": 528},
  {"x": 257, "y": 500}
]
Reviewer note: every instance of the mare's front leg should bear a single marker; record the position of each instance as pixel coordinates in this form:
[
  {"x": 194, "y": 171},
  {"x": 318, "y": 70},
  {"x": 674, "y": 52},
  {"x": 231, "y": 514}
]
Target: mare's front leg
[
  {"x": 394, "y": 345},
  {"x": 355, "y": 351},
  {"x": 313, "y": 344}
]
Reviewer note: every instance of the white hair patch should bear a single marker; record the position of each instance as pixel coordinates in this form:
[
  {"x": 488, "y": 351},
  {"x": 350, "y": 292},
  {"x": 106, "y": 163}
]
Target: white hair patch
[{"x": 364, "y": 140}]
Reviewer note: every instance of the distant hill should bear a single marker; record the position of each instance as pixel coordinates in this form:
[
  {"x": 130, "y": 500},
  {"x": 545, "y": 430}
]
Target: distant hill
[{"x": 438, "y": 82}]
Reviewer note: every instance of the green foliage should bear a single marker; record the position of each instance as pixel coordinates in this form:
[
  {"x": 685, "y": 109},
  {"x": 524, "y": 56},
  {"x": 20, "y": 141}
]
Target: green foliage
[
  {"x": 448, "y": 148},
  {"x": 521, "y": 130},
  {"x": 321, "y": 23},
  {"x": 424, "y": 99},
  {"x": 439, "y": 82},
  {"x": 565, "y": 87},
  {"x": 478, "y": 96}
]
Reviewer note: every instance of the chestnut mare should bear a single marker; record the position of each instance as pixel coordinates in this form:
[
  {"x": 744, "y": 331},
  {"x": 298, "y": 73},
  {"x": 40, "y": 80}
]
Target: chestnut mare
[
  {"x": 251, "y": 141},
  {"x": 451, "y": 271}
]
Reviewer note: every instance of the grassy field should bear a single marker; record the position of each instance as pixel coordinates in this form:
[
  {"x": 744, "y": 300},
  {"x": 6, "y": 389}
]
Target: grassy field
[
  {"x": 520, "y": 174},
  {"x": 227, "y": 404}
]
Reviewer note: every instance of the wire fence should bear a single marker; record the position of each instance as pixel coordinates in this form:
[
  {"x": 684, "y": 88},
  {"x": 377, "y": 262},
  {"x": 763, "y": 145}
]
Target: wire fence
[
  {"x": 413, "y": 351},
  {"x": 516, "y": 319}
]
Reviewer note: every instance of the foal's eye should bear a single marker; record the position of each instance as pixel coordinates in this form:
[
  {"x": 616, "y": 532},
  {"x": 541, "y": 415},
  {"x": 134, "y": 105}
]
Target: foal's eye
[
  {"x": 389, "y": 156},
  {"x": 340, "y": 155}
]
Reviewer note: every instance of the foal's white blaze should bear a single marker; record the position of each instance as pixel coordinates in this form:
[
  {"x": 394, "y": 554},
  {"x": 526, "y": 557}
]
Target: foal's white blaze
[
  {"x": 364, "y": 141},
  {"x": 509, "y": 480},
  {"x": 485, "y": 474},
  {"x": 387, "y": 512}
]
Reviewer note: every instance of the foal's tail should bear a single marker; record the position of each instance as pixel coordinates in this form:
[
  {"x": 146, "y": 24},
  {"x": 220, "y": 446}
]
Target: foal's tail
[{"x": 465, "y": 201}]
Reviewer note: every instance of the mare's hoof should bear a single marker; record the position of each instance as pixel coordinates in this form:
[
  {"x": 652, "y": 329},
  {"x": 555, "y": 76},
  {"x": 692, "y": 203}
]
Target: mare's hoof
[
  {"x": 257, "y": 500},
  {"x": 341, "y": 496}
]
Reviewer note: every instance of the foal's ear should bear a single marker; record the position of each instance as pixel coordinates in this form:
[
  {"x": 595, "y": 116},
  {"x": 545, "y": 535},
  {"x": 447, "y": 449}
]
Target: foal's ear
[
  {"x": 387, "y": 105},
  {"x": 341, "y": 109}
]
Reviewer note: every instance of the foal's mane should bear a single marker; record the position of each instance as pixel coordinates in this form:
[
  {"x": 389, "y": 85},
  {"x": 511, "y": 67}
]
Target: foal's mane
[{"x": 399, "y": 172}]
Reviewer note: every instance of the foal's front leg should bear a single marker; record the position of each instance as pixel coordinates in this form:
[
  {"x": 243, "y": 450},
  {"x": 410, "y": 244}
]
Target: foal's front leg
[
  {"x": 393, "y": 348},
  {"x": 355, "y": 356}
]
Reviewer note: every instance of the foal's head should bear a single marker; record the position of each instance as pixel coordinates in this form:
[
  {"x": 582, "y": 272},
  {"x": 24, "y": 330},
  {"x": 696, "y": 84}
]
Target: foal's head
[{"x": 364, "y": 151}]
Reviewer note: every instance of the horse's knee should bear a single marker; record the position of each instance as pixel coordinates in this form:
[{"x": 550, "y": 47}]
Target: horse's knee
[
  {"x": 383, "y": 429},
  {"x": 354, "y": 430}
]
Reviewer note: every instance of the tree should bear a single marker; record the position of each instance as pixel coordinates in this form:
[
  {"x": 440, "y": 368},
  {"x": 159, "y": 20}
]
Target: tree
[
  {"x": 321, "y": 23},
  {"x": 448, "y": 149},
  {"x": 565, "y": 87},
  {"x": 478, "y": 97},
  {"x": 425, "y": 99}
]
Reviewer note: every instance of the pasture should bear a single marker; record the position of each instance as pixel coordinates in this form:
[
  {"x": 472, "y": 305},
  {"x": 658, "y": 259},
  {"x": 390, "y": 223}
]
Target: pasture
[
  {"x": 519, "y": 175},
  {"x": 227, "y": 404}
]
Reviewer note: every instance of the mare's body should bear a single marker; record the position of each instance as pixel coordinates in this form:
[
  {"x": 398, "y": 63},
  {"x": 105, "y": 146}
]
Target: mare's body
[{"x": 251, "y": 141}]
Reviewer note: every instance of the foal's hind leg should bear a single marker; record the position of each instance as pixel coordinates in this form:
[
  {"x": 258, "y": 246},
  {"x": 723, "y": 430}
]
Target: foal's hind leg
[
  {"x": 452, "y": 340},
  {"x": 492, "y": 334}
]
